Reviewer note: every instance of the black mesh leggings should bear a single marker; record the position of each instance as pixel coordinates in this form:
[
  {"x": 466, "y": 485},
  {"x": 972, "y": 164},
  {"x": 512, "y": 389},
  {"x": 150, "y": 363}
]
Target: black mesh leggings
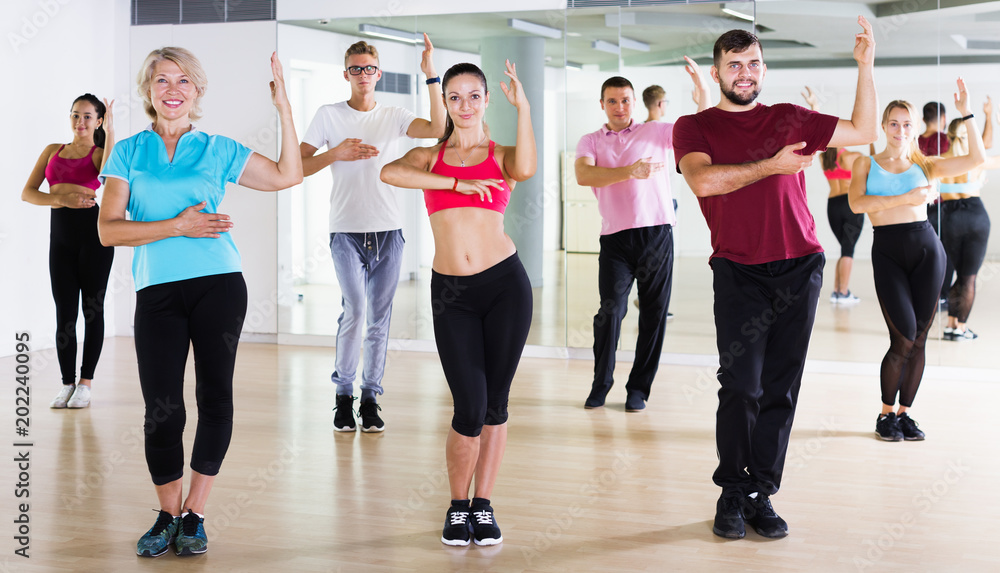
[
  {"x": 965, "y": 230},
  {"x": 908, "y": 262}
]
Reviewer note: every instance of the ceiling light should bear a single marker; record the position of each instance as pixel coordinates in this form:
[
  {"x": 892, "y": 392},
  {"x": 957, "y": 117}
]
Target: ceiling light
[
  {"x": 536, "y": 29},
  {"x": 574, "y": 65},
  {"x": 738, "y": 14},
  {"x": 390, "y": 33},
  {"x": 603, "y": 46},
  {"x": 630, "y": 44}
]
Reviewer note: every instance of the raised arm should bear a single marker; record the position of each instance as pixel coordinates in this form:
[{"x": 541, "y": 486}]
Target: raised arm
[
  {"x": 109, "y": 133},
  {"x": 421, "y": 128},
  {"x": 957, "y": 165},
  {"x": 706, "y": 179},
  {"x": 862, "y": 128},
  {"x": 988, "y": 112},
  {"x": 115, "y": 230},
  {"x": 263, "y": 174},
  {"x": 812, "y": 100},
  {"x": 522, "y": 163},
  {"x": 412, "y": 171},
  {"x": 861, "y": 202},
  {"x": 700, "y": 93}
]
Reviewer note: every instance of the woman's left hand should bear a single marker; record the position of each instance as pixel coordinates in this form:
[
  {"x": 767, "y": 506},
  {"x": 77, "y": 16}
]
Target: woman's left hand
[
  {"x": 278, "y": 95},
  {"x": 515, "y": 93},
  {"x": 962, "y": 98},
  {"x": 109, "y": 117}
]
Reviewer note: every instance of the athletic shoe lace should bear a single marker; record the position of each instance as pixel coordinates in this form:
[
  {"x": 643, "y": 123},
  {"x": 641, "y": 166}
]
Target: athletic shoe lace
[
  {"x": 458, "y": 517},
  {"x": 163, "y": 520},
  {"x": 190, "y": 524},
  {"x": 484, "y": 517}
]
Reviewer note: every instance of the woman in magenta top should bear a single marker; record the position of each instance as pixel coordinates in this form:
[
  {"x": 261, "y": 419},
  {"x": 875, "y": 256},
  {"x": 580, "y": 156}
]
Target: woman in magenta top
[
  {"x": 78, "y": 263},
  {"x": 480, "y": 294}
]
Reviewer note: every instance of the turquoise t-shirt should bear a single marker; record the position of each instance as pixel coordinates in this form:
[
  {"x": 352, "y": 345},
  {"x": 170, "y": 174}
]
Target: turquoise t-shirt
[{"x": 160, "y": 189}]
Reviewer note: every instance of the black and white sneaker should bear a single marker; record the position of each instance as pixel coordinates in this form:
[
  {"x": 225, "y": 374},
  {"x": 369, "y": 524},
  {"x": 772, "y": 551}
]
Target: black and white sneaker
[
  {"x": 456, "y": 527},
  {"x": 963, "y": 334},
  {"x": 887, "y": 428},
  {"x": 908, "y": 427},
  {"x": 484, "y": 526},
  {"x": 370, "y": 420},
  {"x": 343, "y": 419}
]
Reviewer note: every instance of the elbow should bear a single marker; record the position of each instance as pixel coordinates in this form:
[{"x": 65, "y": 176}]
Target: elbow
[
  {"x": 871, "y": 135},
  {"x": 700, "y": 189},
  {"x": 386, "y": 175}
]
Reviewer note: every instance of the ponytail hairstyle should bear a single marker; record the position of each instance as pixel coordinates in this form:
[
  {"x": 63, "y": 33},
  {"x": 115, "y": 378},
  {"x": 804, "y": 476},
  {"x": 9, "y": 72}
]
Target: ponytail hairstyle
[
  {"x": 829, "y": 158},
  {"x": 99, "y": 135},
  {"x": 458, "y": 70},
  {"x": 914, "y": 155}
]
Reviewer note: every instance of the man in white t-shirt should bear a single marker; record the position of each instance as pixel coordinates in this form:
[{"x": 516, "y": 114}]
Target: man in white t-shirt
[{"x": 366, "y": 238}]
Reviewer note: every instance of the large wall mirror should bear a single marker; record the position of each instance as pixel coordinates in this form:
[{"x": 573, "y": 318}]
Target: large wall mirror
[{"x": 921, "y": 48}]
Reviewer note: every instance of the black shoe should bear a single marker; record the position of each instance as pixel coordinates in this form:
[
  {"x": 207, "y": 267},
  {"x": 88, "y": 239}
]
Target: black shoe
[
  {"x": 729, "y": 516},
  {"x": 370, "y": 420},
  {"x": 761, "y": 517},
  {"x": 343, "y": 419},
  {"x": 596, "y": 398},
  {"x": 456, "y": 526},
  {"x": 634, "y": 402},
  {"x": 484, "y": 526},
  {"x": 908, "y": 427},
  {"x": 887, "y": 428}
]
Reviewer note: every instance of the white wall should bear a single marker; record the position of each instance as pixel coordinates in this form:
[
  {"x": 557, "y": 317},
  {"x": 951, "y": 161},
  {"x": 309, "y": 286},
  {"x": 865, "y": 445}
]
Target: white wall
[{"x": 52, "y": 52}]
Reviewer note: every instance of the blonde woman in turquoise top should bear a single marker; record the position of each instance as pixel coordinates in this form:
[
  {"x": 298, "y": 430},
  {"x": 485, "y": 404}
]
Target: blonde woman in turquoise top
[
  {"x": 893, "y": 187},
  {"x": 190, "y": 290}
]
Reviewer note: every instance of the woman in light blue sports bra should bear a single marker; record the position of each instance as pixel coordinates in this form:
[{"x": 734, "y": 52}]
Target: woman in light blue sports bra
[
  {"x": 893, "y": 187},
  {"x": 965, "y": 228}
]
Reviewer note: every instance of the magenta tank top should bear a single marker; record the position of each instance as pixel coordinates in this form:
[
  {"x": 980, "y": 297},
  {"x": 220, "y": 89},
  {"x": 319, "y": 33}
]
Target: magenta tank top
[
  {"x": 440, "y": 199},
  {"x": 79, "y": 171}
]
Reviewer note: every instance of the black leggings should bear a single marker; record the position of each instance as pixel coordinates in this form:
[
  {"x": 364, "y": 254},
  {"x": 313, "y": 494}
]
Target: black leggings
[
  {"x": 965, "y": 230},
  {"x": 908, "y": 262},
  {"x": 846, "y": 224},
  {"x": 481, "y": 322},
  {"x": 206, "y": 313},
  {"x": 78, "y": 264}
]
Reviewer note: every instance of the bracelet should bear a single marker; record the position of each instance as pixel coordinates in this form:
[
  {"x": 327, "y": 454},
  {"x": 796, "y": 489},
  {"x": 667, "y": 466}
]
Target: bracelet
[
  {"x": 434, "y": 80},
  {"x": 968, "y": 117},
  {"x": 454, "y": 187}
]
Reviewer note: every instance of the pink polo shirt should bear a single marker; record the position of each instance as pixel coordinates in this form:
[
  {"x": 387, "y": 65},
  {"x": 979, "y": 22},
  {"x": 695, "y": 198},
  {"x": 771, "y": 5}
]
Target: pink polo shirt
[{"x": 634, "y": 203}]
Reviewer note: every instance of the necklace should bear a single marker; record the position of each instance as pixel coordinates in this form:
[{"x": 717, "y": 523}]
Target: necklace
[{"x": 455, "y": 147}]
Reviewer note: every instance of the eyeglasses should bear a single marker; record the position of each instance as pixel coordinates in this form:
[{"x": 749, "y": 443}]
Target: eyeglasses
[{"x": 356, "y": 70}]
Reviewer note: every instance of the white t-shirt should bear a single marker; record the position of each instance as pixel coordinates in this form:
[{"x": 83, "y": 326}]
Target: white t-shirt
[{"x": 360, "y": 202}]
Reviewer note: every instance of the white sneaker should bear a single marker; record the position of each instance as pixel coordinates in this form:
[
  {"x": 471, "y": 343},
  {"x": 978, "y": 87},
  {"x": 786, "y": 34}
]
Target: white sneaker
[
  {"x": 848, "y": 298},
  {"x": 62, "y": 397},
  {"x": 81, "y": 397}
]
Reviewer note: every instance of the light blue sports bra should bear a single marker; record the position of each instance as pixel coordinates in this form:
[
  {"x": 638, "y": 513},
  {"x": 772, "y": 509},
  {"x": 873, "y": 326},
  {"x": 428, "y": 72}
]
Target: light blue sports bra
[
  {"x": 881, "y": 182},
  {"x": 968, "y": 187}
]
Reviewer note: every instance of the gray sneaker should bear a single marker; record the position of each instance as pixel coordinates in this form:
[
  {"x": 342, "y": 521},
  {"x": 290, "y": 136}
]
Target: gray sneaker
[{"x": 63, "y": 396}]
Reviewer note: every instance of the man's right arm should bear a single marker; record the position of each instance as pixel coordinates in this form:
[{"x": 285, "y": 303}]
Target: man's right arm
[
  {"x": 351, "y": 149},
  {"x": 588, "y": 174},
  {"x": 706, "y": 179}
]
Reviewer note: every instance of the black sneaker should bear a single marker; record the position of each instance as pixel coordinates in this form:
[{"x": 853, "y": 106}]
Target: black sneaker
[
  {"x": 343, "y": 419},
  {"x": 634, "y": 402},
  {"x": 908, "y": 427},
  {"x": 761, "y": 517},
  {"x": 596, "y": 398},
  {"x": 729, "y": 516},
  {"x": 370, "y": 421},
  {"x": 887, "y": 428},
  {"x": 484, "y": 526},
  {"x": 456, "y": 526}
]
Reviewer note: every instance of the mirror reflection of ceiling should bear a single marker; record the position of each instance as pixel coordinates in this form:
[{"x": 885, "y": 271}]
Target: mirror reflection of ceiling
[{"x": 799, "y": 33}]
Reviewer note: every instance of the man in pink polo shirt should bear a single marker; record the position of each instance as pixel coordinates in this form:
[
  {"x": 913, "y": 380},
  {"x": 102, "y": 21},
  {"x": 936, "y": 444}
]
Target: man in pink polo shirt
[
  {"x": 623, "y": 162},
  {"x": 744, "y": 161}
]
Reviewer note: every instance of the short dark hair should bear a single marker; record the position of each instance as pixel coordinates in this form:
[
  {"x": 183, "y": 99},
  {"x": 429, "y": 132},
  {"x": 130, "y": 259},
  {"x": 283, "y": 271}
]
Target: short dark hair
[
  {"x": 616, "y": 82},
  {"x": 932, "y": 111},
  {"x": 737, "y": 41},
  {"x": 653, "y": 95}
]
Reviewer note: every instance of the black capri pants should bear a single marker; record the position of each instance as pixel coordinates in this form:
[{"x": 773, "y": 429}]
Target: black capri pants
[
  {"x": 79, "y": 265},
  {"x": 965, "y": 230},
  {"x": 481, "y": 323},
  {"x": 206, "y": 313},
  {"x": 846, "y": 224}
]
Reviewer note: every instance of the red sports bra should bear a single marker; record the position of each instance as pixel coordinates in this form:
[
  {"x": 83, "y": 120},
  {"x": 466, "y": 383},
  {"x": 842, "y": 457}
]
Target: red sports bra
[
  {"x": 80, "y": 171},
  {"x": 839, "y": 172},
  {"x": 441, "y": 199}
]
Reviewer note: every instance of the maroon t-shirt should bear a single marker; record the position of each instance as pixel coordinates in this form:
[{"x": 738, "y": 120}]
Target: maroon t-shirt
[
  {"x": 934, "y": 144},
  {"x": 768, "y": 220}
]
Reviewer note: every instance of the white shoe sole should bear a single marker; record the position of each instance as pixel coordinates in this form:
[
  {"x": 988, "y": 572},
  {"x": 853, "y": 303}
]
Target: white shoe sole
[
  {"x": 455, "y": 542},
  {"x": 490, "y": 541}
]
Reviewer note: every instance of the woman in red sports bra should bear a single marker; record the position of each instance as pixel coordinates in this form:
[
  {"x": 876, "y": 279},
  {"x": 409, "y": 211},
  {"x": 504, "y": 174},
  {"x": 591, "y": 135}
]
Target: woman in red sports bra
[
  {"x": 480, "y": 294},
  {"x": 78, "y": 264}
]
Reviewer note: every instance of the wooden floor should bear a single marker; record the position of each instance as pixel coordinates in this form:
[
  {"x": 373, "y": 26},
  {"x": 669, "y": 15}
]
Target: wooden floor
[{"x": 580, "y": 490}]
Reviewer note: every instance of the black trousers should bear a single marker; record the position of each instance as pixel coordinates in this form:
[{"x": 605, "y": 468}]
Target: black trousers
[
  {"x": 207, "y": 314},
  {"x": 646, "y": 256},
  {"x": 764, "y": 316},
  {"x": 78, "y": 265},
  {"x": 481, "y": 323}
]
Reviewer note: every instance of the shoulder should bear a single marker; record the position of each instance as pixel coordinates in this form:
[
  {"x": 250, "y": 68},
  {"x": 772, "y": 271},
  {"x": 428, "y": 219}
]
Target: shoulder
[{"x": 51, "y": 150}]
